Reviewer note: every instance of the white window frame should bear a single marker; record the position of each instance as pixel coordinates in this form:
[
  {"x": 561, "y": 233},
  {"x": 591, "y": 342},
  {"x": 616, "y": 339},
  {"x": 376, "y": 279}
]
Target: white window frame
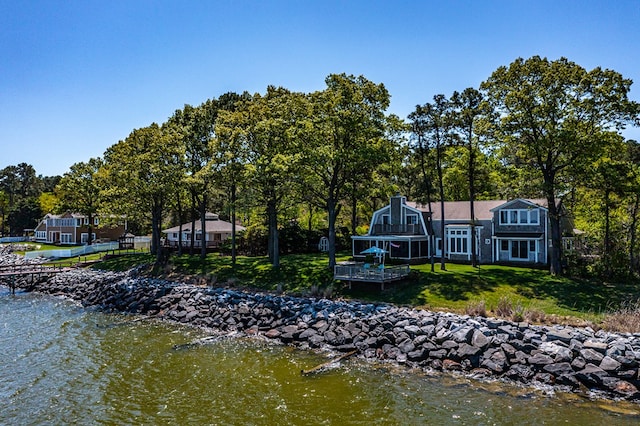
[
  {"x": 84, "y": 237},
  {"x": 519, "y": 217},
  {"x": 66, "y": 238},
  {"x": 96, "y": 221},
  {"x": 412, "y": 219},
  {"x": 458, "y": 240}
]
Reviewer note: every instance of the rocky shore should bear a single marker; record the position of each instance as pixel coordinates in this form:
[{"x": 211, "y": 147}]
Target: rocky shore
[{"x": 575, "y": 359}]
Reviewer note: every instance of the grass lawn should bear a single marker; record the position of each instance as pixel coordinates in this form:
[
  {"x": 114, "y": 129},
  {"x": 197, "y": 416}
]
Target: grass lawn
[{"x": 454, "y": 289}]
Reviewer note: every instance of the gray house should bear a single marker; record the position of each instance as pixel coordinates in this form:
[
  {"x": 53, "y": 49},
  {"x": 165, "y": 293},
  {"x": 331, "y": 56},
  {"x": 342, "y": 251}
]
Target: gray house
[{"x": 515, "y": 231}]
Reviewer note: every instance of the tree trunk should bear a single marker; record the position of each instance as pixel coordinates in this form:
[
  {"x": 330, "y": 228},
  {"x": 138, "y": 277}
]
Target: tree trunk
[
  {"x": 607, "y": 232},
  {"x": 472, "y": 193},
  {"x": 354, "y": 212},
  {"x": 555, "y": 261},
  {"x": 272, "y": 213},
  {"x": 331, "y": 211},
  {"x": 194, "y": 203},
  {"x": 203, "y": 225},
  {"x": 180, "y": 214},
  {"x": 156, "y": 220},
  {"x": 443, "y": 266},
  {"x": 633, "y": 263},
  {"x": 233, "y": 224}
]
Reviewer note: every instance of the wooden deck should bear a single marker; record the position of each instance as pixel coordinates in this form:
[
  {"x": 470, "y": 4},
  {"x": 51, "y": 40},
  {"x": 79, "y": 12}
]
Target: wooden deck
[
  {"x": 8, "y": 273},
  {"x": 362, "y": 272}
]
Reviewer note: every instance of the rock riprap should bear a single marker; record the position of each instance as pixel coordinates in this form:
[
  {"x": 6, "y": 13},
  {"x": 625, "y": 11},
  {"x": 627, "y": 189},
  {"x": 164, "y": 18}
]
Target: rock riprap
[{"x": 577, "y": 359}]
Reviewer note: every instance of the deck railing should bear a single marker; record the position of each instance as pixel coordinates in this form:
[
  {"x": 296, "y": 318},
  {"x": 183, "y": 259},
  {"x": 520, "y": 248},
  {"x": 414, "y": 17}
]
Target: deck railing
[
  {"x": 398, "y": 229},
  {"x": 362, "y": 272}
]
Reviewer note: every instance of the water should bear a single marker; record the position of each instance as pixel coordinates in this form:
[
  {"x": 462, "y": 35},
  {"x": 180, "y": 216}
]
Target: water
[{"x": 62, "y": 364}]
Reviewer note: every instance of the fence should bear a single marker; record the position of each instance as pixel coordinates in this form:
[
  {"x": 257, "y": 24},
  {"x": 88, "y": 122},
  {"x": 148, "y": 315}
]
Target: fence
[
  {"x": 13, "y": 239},
  {"x": 72, "y": 252}
]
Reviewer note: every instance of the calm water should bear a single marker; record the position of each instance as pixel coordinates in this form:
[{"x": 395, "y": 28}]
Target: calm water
[{"x": 61, "y": 364}]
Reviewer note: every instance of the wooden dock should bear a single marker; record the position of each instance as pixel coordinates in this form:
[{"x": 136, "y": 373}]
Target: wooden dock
[
  {"x": 363, "y": 272},
  {"x": 9, "y": 273}
]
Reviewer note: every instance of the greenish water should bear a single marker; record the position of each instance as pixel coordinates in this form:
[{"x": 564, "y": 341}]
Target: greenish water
[{"x": 61, "y": 364}]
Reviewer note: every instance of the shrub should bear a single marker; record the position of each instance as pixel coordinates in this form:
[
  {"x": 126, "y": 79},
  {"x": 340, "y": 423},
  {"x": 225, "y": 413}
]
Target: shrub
[
  {"x": 504, "y": 308},
  {"x": 476, "y": 309},
  {"x": 624, "y": 320},
  {"x": 535, "y": 316}
]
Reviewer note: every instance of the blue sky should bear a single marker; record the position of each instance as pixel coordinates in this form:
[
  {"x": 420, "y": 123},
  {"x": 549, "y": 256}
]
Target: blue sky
[{"x": 78, "y": 76}]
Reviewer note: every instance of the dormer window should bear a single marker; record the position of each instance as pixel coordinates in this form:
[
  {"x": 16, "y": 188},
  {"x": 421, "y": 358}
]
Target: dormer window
[
  {"x": 519, "y": 217},
  {"x": 412, "y": 219}
]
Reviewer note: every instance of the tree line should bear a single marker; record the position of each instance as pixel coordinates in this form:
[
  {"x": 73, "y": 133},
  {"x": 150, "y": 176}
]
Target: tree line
[{"x": 327, "y": 159}]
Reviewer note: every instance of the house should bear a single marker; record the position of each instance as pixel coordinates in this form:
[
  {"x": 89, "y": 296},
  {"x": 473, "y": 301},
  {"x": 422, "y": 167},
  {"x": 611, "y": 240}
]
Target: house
[
  {"x": 216, "y": 231},
  {"x": 514, "y": 231},
  {"x": 73, "y": 229}
]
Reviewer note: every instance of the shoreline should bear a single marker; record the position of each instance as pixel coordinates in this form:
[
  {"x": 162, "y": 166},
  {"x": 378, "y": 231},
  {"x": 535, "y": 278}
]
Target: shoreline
[{"x": 565, "y": 358}]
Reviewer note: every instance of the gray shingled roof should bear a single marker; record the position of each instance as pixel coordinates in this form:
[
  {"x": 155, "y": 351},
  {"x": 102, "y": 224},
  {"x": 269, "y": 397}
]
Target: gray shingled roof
[{"x": 459, "y": 210}]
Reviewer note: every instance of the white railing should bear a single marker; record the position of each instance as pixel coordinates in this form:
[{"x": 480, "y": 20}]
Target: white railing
[
  {"x": 73, "y": 252},
  {"x": 13, "y": 239},
  {"x": 362, "y": 272}
]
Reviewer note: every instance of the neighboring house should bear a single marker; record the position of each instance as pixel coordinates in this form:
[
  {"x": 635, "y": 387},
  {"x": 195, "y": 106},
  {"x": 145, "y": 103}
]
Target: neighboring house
[
  {"x": 73, "y": 229},
  {"x": 216, "y": 232},
  {"x": 515, "y": 231}
]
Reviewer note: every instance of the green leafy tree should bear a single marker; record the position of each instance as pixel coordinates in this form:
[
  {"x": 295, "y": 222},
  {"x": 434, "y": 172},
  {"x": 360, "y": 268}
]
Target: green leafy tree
[
  {"x": 345, "y": 136},
  {"x": 265, "y": 130},
  {"x": 434, "y": 120},
  {"x": 468, "y": 109},
  {"x": 79, "y": 191},
  {"x": 141, "y": 174},
  {"x": 548, "y": 115},
  {"x": 231, "y": 153}
]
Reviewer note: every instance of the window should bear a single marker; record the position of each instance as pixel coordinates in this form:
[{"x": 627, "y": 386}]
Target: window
[
  {"x": 96, "y": 221},
  {"x": 84, "y": 237},
  {"x": 504, "y": 245},
  {"x": 458, "y": 240},
  {"x": 386, "y": 219},
  {"x": 86, "y": 220},
  {"x": 65, "y": 238},
  {"x": 41, "y": 235},
  {"x": 519, "y": 217},
  {"x": 412, "y": 219},
  {"x": 175, "y": 235},
  {"x": 78, "y": 222}
]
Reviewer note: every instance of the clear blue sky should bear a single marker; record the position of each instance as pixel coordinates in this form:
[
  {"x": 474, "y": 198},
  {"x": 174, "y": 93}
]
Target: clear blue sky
[{"x": 78, "y": 76}]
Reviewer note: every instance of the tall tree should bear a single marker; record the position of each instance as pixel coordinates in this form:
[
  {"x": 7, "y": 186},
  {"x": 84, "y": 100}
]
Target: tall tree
[
  {"x": 141, "y": 173},
  {"x": 264, "y": 132},
  {"x": 79, "y": 190},
  {"x": 346, "y": 136},
  {"x": 231, "y": 152},
  {"x": 435, "y": 122},
  {"x": 549, "y": 114},
  {"x": 467, "y": 111},
  {"x": 197, "y": 129}
]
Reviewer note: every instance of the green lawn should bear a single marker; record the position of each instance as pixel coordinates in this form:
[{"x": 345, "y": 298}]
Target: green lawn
[{"x": 454, "y": 289}]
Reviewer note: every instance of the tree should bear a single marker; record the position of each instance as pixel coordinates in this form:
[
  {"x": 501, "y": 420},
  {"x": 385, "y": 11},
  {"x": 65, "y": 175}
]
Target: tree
[
  {"x": 141, "y": 173},
  {"x": 549, "y": 114},
  {"x": 344, "y": 136},
  {"x": 79, "y": 191},
  {"x": 263, "y": 133},
  {"x": 196, "y": 128},
  {"x": 24, "y": 215},
  {"x": 231, "y": 152},
  {"x": 434, "y": 120},
  {"x": 468, "y": 108}
]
